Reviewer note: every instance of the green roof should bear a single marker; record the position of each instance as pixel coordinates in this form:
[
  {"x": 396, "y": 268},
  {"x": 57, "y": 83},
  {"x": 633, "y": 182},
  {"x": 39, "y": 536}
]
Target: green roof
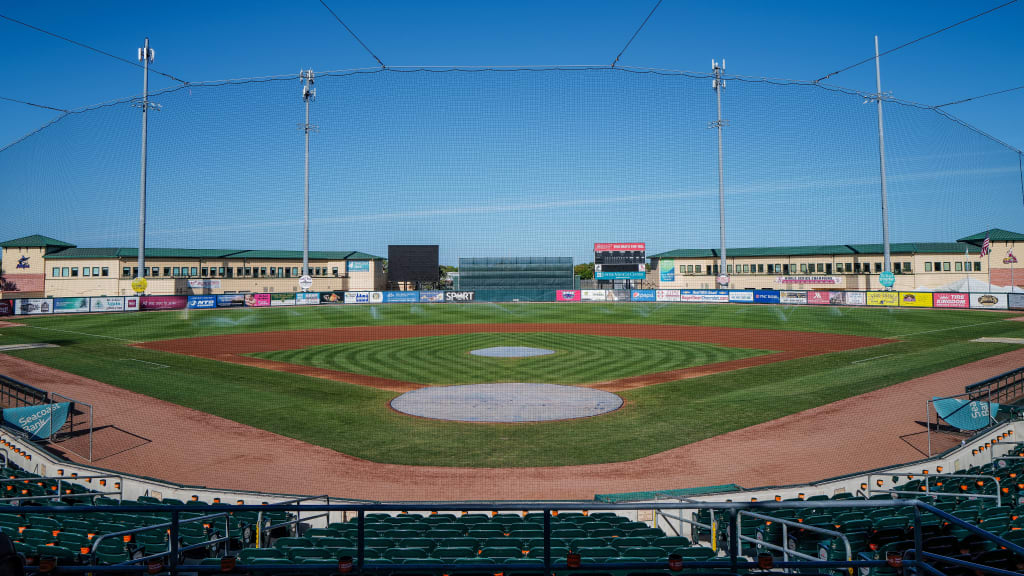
[
  {"x": 658, "y": 494},
  {"x": 995, "y": 235},
  {"x": 205, "y": 253},
  {"x": 35, "y": 241},
  {"x": 823, "y": 250}
]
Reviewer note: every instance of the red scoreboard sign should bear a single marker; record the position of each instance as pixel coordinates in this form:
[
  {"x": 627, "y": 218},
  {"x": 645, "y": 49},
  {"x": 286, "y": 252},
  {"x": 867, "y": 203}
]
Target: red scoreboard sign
[{"x": 627, "y": 247}]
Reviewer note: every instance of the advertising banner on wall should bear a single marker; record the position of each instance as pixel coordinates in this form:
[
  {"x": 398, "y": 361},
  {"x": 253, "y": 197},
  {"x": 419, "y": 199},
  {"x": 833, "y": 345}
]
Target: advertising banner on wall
[
  {"x": 991, "y": 301},
  {"x": 376, "y": 297},
  {"x": 307, "y": 298},
  {"x": 818, "y": 297},
  {"x": 666, "y": 295},
  {"x": 567, "y": 295},
  {"x": 282, "y": 299},
  {"x": 616, "y": 295},
  {"x": 25, "y": 306},
  {"x": 6, "y": 307},
  {"x": 163, "y": 302},
  {"x": 409, "y": 296},
  {"x": 791, "y": 297},
  {"x": 204, "y": 284},
  {"x": 431, "y": 296},
  {"x": 106, "y": 304},
  {"x": 951, "y": 300},
  {"x": 257, "y": 300},
  {"x": 964, "y": 414},
  {"x": 708, "y": 296},
  {"x": 643, "y": 295},
  {"x": 592, "y": 295},
  {"x": 916, "y": 299},
  {"x": 202, "y": 302},
  {"x": 766, "y": 297},
  {"x": 230, "y": 300},
  {"x": 70, "y": 305},
  {"x": 38, "y": 421},
  {"x": 357, "y": 266},
  {"x": 132, "y": 304},
  {"x": 815, "y": 280},
  {"x": 883, "y": 299},
  {"x": 1014, "y": 301},
  {"x": 459, "y": 296},
  {"x": 848, "y": 298},
  {"x": 357, "y": 297},
  {"x": 336, "y": 297},
  {"x": 741, "y": 296},
  {"x": 667, "y": 270}
]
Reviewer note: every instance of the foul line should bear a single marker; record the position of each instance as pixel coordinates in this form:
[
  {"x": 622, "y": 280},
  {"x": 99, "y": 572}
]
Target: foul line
[
  {"x": 951, "y": 328},
  {"x": 145, "y": 362},
  {"x": 84, "y": 334},
  {"x": 872, "y": 358}
]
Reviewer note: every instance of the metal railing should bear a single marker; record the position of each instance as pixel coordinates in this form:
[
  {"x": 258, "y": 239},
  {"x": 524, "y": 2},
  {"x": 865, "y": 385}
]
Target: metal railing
[
  {"x": 927, "y": 488},
  {"x": 173, "y": 536},
  {"x": 786, "y": 524},
  {"x": 261, "y": 529},
  {"x": 61, "y": 482}
]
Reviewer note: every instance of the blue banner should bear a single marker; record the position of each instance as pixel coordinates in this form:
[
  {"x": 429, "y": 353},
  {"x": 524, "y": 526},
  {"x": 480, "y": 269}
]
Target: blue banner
[
  {"x": 202, "y": 301},
  {"x": 642, "y": 296},
  {"x": 38, "y": 421},
  {"x": 228, "y": 300},
  {"x": 620, "y": 275},
  {"x": 407, "y": 296},
  {"x": 357, "y": 265},
  {"x": 766, "y": 296},
  {"x": 965, "y": 415},
  {"x": 431, "y": 296}
]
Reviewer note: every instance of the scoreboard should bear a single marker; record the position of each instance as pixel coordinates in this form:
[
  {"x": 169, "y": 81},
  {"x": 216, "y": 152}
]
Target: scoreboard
[{"x": 620, "y": 261}]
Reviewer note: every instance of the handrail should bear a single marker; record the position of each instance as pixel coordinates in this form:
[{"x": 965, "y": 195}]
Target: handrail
[
  {"x": 260, "y": 529},
  {"x": 785, "y": 523},
  {"x": 174, "y": 525},
  {"x": 927, "y": 485}
]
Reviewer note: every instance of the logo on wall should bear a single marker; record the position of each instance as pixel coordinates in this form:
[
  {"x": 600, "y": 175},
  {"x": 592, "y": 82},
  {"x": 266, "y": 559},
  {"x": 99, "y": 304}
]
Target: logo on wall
[{"x": 23, "y": 262}]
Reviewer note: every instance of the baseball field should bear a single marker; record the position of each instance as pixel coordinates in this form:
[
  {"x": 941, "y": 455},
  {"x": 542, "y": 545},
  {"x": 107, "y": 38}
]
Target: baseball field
[{"x": 325, "y": 375}]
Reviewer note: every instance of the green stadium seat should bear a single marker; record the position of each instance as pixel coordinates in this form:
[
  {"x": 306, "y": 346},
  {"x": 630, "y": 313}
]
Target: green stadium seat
[
  {"x": 303, "y": 553},
  {"x": 405, "y": 553},
  {"x": 252, "y": 555},
  {"x": 501, "y": 552},
  {"x": 460, "y": 542},
  {"x": 666, "y": 542},
  {"x": 598, "y": 552},
  {"x": 451, "y": 553},
  {"x": 647, "y": 552},
  {"x": 587, "y": 542},
  {"x": 313, "y": 533},
  {"x": 329, "y": 542}
]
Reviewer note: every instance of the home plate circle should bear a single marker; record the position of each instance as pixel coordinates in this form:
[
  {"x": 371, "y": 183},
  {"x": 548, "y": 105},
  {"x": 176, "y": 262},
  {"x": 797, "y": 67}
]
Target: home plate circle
[
  {"x": 512, "y": 402},
  {"x": 511, "y": 352}
]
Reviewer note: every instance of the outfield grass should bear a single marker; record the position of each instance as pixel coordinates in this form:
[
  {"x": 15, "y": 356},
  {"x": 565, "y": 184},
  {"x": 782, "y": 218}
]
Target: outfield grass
[
  {"x": 445, "y": 360},
  {"x": 357, "y": 421}
]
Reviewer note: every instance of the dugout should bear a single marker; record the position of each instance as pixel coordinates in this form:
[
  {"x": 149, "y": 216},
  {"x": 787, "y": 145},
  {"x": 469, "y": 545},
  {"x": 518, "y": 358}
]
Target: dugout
[{"x": 514, "y": 278}]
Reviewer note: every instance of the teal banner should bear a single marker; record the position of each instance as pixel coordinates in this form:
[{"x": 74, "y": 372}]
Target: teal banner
[
  {"x": 965, "y": 415},
  {"x": 38, "y": 421}
]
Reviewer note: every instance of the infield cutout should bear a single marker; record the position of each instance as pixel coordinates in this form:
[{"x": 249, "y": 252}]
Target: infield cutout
[
  {"x": 506, "y": 403},
  {"x": 511, "y": 352}
]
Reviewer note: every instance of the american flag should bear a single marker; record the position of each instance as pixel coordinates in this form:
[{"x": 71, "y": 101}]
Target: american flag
[{"x": 985, "y": 247}]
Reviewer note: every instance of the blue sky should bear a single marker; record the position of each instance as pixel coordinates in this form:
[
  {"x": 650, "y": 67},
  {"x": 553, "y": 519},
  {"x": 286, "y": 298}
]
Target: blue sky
[{"x": 491, "y": 164}]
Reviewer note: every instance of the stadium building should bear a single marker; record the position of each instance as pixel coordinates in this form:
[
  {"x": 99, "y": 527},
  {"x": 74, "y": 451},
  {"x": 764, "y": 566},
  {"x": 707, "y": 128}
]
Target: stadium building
[
  {"x": 929, "y": 266},
  {"x": 36, "y": 266}
]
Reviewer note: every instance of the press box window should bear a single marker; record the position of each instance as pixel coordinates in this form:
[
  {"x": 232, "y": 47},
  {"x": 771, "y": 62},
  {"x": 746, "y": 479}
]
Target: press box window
[
  {"x": 106, "y": 272},
  {"x": 177, "y": 271},
  {"x": 959, "y": 266},
  {"x": 945, "y": 266},
  {"x": 56, "y": 272},
  {"x": 86, "y": 271},
  {"x": 206, "y": 272},
  {"x": 906, "y": 268},
  {"x": 760, "y": 268},
  {"x": 125, "y": 272},
  {"x": 927, "y": 266}
]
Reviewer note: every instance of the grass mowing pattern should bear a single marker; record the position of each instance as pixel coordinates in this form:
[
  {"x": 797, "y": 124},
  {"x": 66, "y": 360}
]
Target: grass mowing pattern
[
  {"x": 445, "y": 360},
  {"x": 356, "y": 420}
]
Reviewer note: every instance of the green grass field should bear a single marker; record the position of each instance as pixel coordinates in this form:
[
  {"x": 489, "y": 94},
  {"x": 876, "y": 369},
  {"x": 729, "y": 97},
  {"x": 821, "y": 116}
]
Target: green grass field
[
  {"x": 445, "y": 360},
  {"x": 357, "y": 420}
]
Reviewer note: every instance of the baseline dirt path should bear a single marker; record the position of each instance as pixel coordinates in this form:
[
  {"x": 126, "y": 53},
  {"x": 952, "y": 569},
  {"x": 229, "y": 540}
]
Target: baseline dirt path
[
  {"x": 789, "y": 344},
  {"x": 178, "y": 444}
]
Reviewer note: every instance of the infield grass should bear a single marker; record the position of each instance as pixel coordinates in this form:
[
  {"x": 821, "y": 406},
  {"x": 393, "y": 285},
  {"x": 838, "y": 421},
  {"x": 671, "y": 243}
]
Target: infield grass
[{"x": 357, "y": 420}]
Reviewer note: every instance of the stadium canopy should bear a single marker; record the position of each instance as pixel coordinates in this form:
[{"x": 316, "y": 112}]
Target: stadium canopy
[{"x": 994, "y": 235}]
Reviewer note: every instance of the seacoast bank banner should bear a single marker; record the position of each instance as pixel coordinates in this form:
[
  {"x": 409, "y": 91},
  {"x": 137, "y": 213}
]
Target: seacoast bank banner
[{"x": 38, "y": 421}]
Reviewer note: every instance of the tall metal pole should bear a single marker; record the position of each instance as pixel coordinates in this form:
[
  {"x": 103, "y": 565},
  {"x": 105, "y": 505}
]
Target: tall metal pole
[
  {"x": 146, "y": 56},
  {"x": 718, "y": 85},
  {"x": 881, "y": 163},
  {"x": 308, "y": 93}
]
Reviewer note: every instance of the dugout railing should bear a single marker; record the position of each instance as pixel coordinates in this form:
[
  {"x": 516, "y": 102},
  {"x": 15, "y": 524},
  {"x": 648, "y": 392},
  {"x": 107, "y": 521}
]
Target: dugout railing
[{"x": 729, "y": 558}]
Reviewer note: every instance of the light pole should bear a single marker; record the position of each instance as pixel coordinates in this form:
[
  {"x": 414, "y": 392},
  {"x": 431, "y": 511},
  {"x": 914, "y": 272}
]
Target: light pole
[
  {"x": 146, "y": 56},
  {"x": 718, "y": 84},
  {"x": 308, "y": 94}
]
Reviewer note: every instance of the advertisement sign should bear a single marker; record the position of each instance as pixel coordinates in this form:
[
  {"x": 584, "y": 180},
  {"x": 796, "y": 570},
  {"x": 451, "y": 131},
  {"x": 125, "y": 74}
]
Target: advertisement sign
[
  {"x": 711, "y": 296},
  {"x": 282, "y": 299},
  {"x": 106, "y": 304},
  {"x": 620, "y": 247},
  {"x": 163, "y": 302},
  {"x": 567, "y": 295},
  {"x": 766, "y": 297},
  {"x": 1014, "y": 301},
  {"x": 357, "y": 297},
  {"x": 24, "y": 306},
  {"x": 855, "y": 298},
  {"x": 883, "y": 299},
  {"x": 821, "y": 280},
  {"x": 357, "y": 265},
  {"x": 307, "y": 298},
  {"x": 230, "y": 300},
  {"x": 951, "y": 300},
  {"x": 966, "y": 415},
  {"x": 202, "y": 301},
  {"x": 6, "y": 307},
  {"x": 667, "y": 270},
  {"x": 431, "y": 296},
  {"x": 666, "y": 295},
  {"x": 38, "y": 421},
  {"x": 376, "y": 297},
  {"x": 336, "y": 297},
  {"x": 741, "y": 296},
  {"x": 819, "y": 298},
  {"x": 601, "y": 274},
  {"x": 68, "y": 305},
  {"x": 592, "y": 295},
  {"x": 642, "y": 296},
  {"x": 139, "y": 285},
  {"x": 790, "y": 297},
  {"x": 458, "y": 296},
  {"x": 257, "y": 300},
  {"x": 616, "y": 295},
  {"x": 409, "y": 297},
  {"x": 916, "y": 299},
  {"x": 989, "y": 301},
  {"x": 204, "y": 284},
  {"x": 131, "y": 303}
]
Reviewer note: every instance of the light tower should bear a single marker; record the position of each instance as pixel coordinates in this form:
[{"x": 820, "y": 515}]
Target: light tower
[
  {"x": 719, "y": 84},
  {"x": 308, "y": 94},
  {"x": 146, "y": 56}
]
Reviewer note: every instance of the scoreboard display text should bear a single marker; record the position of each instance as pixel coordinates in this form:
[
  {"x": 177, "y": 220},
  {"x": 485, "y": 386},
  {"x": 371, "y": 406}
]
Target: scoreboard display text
[{"x": 620, "y": 261}]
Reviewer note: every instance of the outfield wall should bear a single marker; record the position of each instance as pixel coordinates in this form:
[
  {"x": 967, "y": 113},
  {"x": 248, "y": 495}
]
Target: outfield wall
[{"x": 945, "y": 300}]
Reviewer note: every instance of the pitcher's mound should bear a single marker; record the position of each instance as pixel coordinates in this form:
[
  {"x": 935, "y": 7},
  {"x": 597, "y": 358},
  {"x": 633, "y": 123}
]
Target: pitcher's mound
[
  {"x": 515, "y": 402},
  {"x": 511, "y": 352}
]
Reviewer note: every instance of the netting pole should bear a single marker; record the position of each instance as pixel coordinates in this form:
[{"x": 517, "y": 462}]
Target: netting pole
[
  {"x": 308, "y": 93},
  {"x": 146, "y": 56},
  {"x": 881, "y": 163},
  {"x": 718, "y": 84}
]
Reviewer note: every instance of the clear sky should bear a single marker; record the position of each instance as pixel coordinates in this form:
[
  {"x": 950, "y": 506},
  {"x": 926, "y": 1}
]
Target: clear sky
[{"x": 509, "y": 163}]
